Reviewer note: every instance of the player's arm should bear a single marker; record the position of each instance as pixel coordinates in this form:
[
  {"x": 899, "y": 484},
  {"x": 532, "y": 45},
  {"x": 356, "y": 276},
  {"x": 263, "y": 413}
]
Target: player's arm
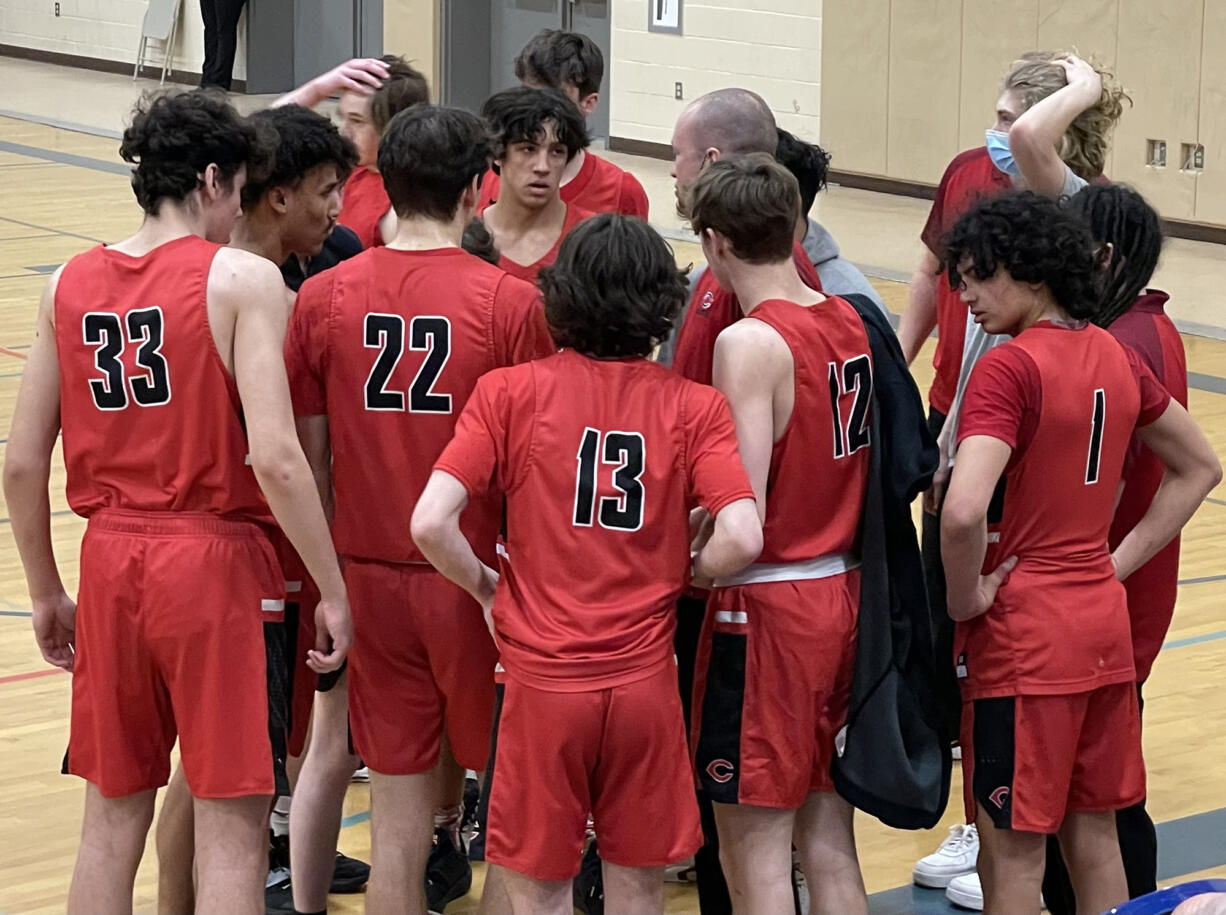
[
  {"x": 251, "y": 289},
  {"x": 317, "y": 446},
  {"x": 436, "y": 532},
  {"x": 964, "y": 527},
  {"x": 27, "y": 474},
  {"x": 1192, "y": 470},
  {"x": 920, "y": 317},
  {"x": 361, "y": 74},
  {"x": 1035, "y": 137},
  {"x": 735, "y": 541}
]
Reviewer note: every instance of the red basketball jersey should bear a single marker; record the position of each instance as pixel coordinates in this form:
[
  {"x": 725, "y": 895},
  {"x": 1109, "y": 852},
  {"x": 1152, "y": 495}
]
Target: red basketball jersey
[
  {"x": 363, "y": 204},
  {"x": 710, "y": 310},
  {"x": 151, "y": 416},
  {"x": 599, "y": 187},
  {"x": 1066, "y": 400},
  {"x": 1152, "y": 588},
  {"x": 819, "y": 467},
  {"x": 601, "y": 461},
  {"x": 527, "y": 273},
  {"x": 389, "y": 345}
]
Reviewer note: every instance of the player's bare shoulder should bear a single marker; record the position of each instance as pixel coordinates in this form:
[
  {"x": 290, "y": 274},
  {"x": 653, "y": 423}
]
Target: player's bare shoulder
[
  {"x": 240, "y": 279},
  {"x": 750, "y": 342}
]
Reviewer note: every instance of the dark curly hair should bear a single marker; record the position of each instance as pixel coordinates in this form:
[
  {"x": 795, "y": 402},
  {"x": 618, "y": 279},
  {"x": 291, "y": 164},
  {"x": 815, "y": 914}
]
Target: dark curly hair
[
  {"x": 479, "y": 242},
  {"x": 1034, "y": 240},
  {"x": 175, "y": 136},
  {"x": 554, "y": 58},
  {"x": 808, "y": 164},
  {"x": 520, "y": 115},
  {"x": 304, "y": 140},
  {"x": 614, "y": 290},
  {"x": 428, "y": 155},
  {"x": 1117, "y": 215}
]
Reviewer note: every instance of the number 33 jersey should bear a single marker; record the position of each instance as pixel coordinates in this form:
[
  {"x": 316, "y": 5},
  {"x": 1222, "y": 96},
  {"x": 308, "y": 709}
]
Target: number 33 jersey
[
  {"x": 600, "y": 461},
  {"x": 151, "y": 416},
  {"x": 1066, "y": 399},
  {"x": 389, "y": 345}
]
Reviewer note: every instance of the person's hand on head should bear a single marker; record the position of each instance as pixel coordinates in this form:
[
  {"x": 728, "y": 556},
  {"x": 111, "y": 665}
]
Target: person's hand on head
[
  {"x": 1082, "y": 77},
  {"x": 361, "y": 74}
]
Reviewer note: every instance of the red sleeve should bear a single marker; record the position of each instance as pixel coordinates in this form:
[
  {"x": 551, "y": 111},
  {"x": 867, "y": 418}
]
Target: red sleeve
[
  {"x": 717, "y": 476},
  {"x": 1002, "y": 398},
  {"x": 1154, "y": 397},
  {"x": 306, "y": 343},
  {"x": 520, "y": 331},
  {"x": 489, "y": 190},
  {"x": 935, "y": 228},
  {"x": 477, "y": 450},
  {"x": 633, "y": 199}
]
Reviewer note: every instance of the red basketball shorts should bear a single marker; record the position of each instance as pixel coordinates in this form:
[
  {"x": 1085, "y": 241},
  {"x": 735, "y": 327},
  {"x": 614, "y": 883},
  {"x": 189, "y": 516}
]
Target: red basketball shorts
[
  {"x": 422, "y": 660},
  {"x": 618, "y": 753},
  {"x": 771, "y": 685},
  {"x": 170, "y": 639},
  {"x": 1029, "y": 761}
]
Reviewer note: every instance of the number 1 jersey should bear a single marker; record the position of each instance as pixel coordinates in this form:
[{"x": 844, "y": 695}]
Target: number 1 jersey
[
  {"x": 151, "y": 416},
  {"x": 388, "y": 345},
  {"x": 600, "y": 461}
]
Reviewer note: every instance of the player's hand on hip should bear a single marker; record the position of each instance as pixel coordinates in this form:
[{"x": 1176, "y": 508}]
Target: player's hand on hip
[
  {"x": 991, "y": 583},
  {"x": 489, "y": 583},
  {"x": 333, "y": 636},
  {"x": 55, "y": 622}
]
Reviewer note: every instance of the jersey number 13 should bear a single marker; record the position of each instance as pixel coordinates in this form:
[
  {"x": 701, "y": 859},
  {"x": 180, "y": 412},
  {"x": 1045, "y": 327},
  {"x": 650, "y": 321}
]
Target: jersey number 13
[{"x": 625, "y": 453}]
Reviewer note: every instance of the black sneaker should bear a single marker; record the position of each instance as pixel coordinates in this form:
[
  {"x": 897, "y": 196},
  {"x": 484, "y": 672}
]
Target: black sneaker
[
  {"x": 448, "y": 873},
  {"x": 277, "y": 895},
  {"x": 349, "y": 875},
  {"x": 589, "y": 885},
  {"x": 279, "y": 900}
]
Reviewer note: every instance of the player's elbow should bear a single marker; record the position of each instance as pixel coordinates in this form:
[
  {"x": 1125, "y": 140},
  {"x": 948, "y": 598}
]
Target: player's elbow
[
  {"x": 739, "y": 532},
  {"x": 959, "y": 518},
  {"x": 24, "y": 473},
  {"x": 428, "y": 527},
  {"x": 278, "y": 463},
  {"x": 1210, "y": 473}
]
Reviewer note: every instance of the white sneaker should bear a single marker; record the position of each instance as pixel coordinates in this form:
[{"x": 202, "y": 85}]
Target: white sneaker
[
  {"x": 361, "y": 774},
  {"x": 955, "y": 857},
  {"x": 966, "y": 892}
]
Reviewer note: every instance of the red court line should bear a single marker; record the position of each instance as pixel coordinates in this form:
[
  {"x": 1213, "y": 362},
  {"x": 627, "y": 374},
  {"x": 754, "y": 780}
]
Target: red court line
[
  {"x": 31, "y": 675},
  {"x": 12, "y": 352}
]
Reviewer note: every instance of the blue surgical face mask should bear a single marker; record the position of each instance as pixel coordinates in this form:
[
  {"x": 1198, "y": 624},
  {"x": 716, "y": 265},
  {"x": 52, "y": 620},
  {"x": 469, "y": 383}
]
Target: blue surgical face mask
[{"x": 997, "y": 142}]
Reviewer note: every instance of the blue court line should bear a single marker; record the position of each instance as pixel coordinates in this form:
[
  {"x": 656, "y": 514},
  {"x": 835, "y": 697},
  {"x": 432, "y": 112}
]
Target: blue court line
[
  {"x": 63, "y": 158},
  {"x": 1215, "y": 501},
  {"x": 355, "y": 818}
]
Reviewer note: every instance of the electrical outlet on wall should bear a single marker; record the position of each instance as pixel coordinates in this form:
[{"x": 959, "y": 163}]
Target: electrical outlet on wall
[
  {"x": 678, "y": 91},
  {"x": 57, "y": 9},
  {"x": 1192, "y": 157},
  {"x": 1155, "y": 153}
]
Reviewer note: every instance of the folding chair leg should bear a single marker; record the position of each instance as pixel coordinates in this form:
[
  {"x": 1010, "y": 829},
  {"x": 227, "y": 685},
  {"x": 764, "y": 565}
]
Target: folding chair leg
[{"x": 140, "y": 58}]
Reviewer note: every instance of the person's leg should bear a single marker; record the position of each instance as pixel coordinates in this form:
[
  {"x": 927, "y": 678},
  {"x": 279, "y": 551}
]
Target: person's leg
[
  {"x": 495, "y": 899},
  {"x": 208, "y": 70},
  {"x": 231, "y": 853},
  {"x": 113, "y": 834},
  {"x": 528, "y": 896},
  {"x": 401, "y": 827},
  {"x": 1057, "y": 887},
  {"x": 1138, "y": 849},
  {"x": 1010, "y": 868},
  {"x": 1092, "y": 849},
  {"x": 228, "y": 14},
  {"x": 825, "y": 836},
  {"x": 755, "y": 849},
  {"x": 633, "y": 890},
  {"x": 319, "y": 797},
  {"x": 176, "y": 848}
]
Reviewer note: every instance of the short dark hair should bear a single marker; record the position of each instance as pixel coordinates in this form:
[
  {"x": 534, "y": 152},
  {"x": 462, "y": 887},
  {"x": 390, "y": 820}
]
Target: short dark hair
[
  {"x": 175, "y": 136},
  {"x": 519, "y": 115},
  {"x": 404, "y": 87},
  {"x": 1034, "y": 240},
  {"x": 428, "y": 155},
  {"x": 751, "y": 200},
  {"x": 614, "y": 290},
  {"x": 808, "y": 164},
  {"x": 304, "y": 140},
  {"x": 479, "y": 242},
  {"x": 1117, "y": 215},
  {"x": 554, "y": 58}
]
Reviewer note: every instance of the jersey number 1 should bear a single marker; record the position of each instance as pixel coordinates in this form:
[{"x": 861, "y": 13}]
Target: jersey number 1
[
  {"x": 426, "y": 332},
  {"x": 1096, "y": 436},
  {"x": 626, "y": 452},
  {"x": 105, "y": 331}
]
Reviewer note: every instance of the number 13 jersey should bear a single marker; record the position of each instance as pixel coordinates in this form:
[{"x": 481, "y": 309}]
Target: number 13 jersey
[
  {"x": 1066, "y": 400},
  {"x": 151, "y": 416},
  {"x": 600, "y": 461}
]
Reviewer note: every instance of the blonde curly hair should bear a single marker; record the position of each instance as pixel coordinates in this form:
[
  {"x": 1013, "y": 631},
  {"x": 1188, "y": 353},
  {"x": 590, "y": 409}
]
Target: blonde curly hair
[{"x": 1036, "y": 75}]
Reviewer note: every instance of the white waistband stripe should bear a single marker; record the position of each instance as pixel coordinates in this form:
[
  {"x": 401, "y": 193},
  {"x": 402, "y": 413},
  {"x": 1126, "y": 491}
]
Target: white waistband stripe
[
  {"x": 821, "y": 567},
  {"x": 272, "y": 606},
  {"x": 731, "y": 616}
]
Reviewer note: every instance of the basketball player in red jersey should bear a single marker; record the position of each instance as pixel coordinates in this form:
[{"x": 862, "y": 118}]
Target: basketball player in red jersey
[
  {"x": 1051, "y": 731},
  {"x": 600, "y": 454},
  {"x": 775, "y": 660},
  {"x": 537, "y": 132},
  {"x": 407, "y": 330},
  {"x": 573, "y": 64},
  {"x": 159, "y": 356},
  {"x": 372, "y": 91},
  {"x": 726, "y": 122}
]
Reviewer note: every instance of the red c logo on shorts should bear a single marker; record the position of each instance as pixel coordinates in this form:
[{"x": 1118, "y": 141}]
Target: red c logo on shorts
[
  {"x": 708, "y": 299},
  {"x": 721, "y": 770},
  {"x": 998, "y": 796}
]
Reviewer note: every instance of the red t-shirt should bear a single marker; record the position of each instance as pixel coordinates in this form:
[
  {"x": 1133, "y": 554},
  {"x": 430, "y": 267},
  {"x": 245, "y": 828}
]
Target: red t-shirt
[
  {"x": 364, "y": 204},
  {"x": 1066, "y": 401},
  {"x": 151, "y": 416},
  {"x": 819, "y": 467},
  {"x": 598, "y": 187},
  {"x": 389, "y": 345},
  {"x": 1151, "y": 589},
  {"x": 970, "y": 177},
  {"x": 711, "y": 309},
  {"x": 600, "y": 461},
  {"x": 528, "y": 273}
]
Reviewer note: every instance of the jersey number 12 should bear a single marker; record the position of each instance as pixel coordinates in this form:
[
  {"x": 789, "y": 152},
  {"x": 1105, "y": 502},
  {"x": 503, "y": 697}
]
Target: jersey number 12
[{"x": 625, "y": 452}]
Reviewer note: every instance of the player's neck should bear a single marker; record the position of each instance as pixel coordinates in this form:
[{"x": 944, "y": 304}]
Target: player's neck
[
  {"x": 573, "y": 167},
  {"x": 173, "y": 220},
  {"x": 421, "y": 233},
  {"x": 259, "y": 235},
  {"x": 510, "y": 216},
  {"x": 1044, "y": 308},
  {"x": 754, "y": 284}
]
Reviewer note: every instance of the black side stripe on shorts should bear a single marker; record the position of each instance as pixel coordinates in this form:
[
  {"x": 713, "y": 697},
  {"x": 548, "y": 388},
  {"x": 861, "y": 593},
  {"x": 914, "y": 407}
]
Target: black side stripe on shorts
[
  {"x": 277, "y": 675},
  {"x": 476, "y": 848},
  {"x": 992, "y": 783},
  {"x": 718, "y": 756}
]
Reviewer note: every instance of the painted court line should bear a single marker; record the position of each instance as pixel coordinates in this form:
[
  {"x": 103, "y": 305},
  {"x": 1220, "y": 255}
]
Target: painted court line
[
  {"x": 63, "y": 158},
  {"x": 34, "y": 225},
  {"x": 10, "y": 352},
  {"x": 31, "y": 675}
]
